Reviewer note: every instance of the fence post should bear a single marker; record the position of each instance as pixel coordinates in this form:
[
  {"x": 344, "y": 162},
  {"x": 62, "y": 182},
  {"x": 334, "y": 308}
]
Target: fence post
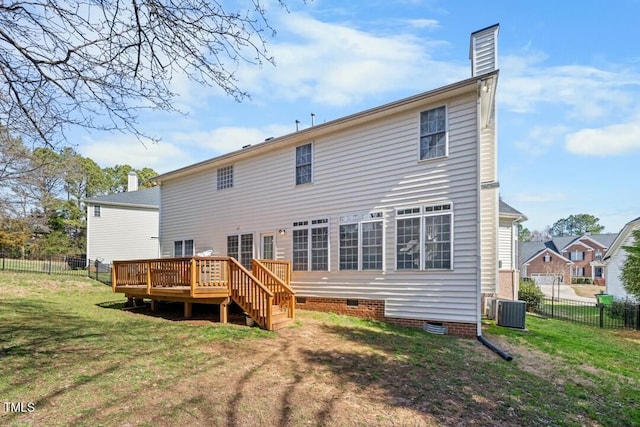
[
  {"x": 638, "y": 317},
  {"x": 50, "y": 259},
  {"x": 552, "y": 303},
  {"x": 3, "y": 261},
  {"x": 601, "y": 306}
]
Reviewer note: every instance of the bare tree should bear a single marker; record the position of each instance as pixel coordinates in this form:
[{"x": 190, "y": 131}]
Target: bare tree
[{"x": 99, "y": 63}]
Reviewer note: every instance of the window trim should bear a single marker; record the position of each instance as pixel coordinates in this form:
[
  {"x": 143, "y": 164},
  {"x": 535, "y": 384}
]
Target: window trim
[
  {"x": 446, "y": 134},
  {"x": 224, "y": 177},
  {"x": 422, "y": 212},
  {"x": 183, "y": 246},
  {"x": 375, "y": 217},
  {"x": 239, "y": 237},
  {"x": 310, "y": 164},
  {"x": 309, "y": 225}
]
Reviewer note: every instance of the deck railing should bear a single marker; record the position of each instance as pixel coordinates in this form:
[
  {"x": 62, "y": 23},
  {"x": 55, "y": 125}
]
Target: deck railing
[
  {"x": 197, "y": 278},
  {"x": 198, "y": 275},
  {"x": 275, "y": 275}
]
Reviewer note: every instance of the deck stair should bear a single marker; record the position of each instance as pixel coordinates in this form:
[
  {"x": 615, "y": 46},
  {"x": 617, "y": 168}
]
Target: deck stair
[{"x": 264, "y": 293}]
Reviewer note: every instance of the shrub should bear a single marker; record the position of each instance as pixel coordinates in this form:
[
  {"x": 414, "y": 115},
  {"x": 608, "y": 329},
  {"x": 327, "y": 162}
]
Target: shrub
[
  {"x": 625, "y": 309},
  {"x": 531, "y": 294}
]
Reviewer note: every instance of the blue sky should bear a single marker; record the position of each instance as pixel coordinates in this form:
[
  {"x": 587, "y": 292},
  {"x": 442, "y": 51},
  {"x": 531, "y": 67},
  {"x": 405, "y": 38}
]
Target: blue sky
[{"x": 568, "y": 94}]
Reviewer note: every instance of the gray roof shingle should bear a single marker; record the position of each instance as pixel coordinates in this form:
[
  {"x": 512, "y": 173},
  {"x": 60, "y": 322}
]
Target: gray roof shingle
[{"x": 145, "y": 197}]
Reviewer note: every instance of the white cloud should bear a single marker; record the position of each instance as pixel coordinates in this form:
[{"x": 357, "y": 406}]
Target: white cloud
[
  {"x": 545, "y": 197},
  {"x": 223, "y": 140},
  {"x": 424, "y": 23},
  {"x": 337, "y": 65},
  {"x": 583, "y": 92},
  {"x": 161, "y": 156},
  {"x": 607, "y": 141},
  {"x": 540, "y": 139}
]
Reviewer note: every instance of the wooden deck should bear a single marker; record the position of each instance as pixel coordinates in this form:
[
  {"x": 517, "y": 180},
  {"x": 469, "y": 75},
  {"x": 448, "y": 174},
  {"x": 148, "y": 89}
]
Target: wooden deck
[{"x": 264, "y": 293}]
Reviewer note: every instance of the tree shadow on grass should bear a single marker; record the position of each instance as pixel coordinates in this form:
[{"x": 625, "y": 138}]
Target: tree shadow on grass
[{"x": 453, "y": 381}]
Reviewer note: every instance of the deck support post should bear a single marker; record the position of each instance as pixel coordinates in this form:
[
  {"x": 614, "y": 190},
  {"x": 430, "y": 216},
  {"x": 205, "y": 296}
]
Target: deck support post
[
  {"x": 154, "y": 305},
  {"x": 188, "y": 313},
  {"x": 224, "y": 311}
]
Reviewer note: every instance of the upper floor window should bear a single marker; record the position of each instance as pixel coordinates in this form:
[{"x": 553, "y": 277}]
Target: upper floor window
[
  {"x": 598, "y": 255},
  {"x": 96, "y": 210},
  {"x": 546, "y": 258},
  {"x": 576, "y": 256},
  {"x": 304, "y": 159},
  {"x": 225, "y": 177},
  {"x": 433, "y": 133}
]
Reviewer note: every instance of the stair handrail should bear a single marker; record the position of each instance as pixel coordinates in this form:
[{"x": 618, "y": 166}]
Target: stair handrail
[
  {"x": 265, "y": 296},
  {"x": 282, "y": 287}
]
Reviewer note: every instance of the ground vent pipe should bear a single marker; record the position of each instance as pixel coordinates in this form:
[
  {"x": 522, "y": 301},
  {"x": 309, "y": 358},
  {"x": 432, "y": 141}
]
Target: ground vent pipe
[{"x": 506, "y": 356}]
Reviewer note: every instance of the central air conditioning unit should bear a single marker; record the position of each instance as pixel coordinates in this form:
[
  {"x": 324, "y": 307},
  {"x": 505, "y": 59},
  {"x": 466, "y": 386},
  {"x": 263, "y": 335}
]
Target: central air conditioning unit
[
  {"x": 490, "y": 307},
  {"x": 511, "y": 313}
]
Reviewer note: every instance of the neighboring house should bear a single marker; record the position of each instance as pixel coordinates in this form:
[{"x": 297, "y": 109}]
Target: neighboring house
[
  {"x": 390, "y": 213},
  {"x": 566, "y": 258},
  {"x": 508, "y": 273},
  {"x": 124, "y": 225},
  {"x": 616, "y": 257}
]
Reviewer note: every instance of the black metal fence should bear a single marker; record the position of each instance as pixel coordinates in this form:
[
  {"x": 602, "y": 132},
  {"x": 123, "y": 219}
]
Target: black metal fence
[
  {"x": 76, "y": 265},
  {"x": 618, "y": 314}
]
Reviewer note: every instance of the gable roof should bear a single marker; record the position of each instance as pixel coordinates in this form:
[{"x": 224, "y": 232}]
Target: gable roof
[
  {"x": 305, "y": 135},
  {"x": 148, "y": 197},
  {"x": 509, "y": 212},
  {"x": 605, "y": 240},
  {"x": 542, "y": 251},
  {"x": 621, "y": 237}
]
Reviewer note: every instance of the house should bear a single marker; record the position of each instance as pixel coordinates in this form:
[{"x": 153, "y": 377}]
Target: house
[
  {"x": 508, "y": 273},
  {"x": 616, "y": 257},
  {"x": 124, "y": 225},
  {"x": 568, "y": 259},
  {"x": 390, "y": 213}
]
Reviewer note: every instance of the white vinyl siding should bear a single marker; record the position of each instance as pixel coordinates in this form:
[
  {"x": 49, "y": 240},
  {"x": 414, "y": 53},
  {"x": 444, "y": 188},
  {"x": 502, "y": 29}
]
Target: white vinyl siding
[
  {"x": 122, "y": 233},
  {"x": 371, "y": 165},
  {"x": 506, "y": 244}
]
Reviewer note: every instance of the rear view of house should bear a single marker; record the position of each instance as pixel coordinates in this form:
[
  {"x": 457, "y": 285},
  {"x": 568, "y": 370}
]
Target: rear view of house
[{"x": 390, "y": 213}]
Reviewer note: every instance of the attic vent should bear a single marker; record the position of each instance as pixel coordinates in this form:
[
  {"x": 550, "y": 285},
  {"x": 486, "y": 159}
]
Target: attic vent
[{"x": 483, "y": 51}]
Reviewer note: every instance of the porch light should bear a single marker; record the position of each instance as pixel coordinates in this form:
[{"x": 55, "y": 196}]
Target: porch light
[{"x": 282, "y": 232}]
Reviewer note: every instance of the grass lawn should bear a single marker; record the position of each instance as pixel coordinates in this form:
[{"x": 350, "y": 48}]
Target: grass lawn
[{"x": 72, "y": 354}]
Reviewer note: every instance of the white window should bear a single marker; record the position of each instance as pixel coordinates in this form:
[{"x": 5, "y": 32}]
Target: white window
[
  {"x": 361, "y": 244},
  {"x": 311, "y": 245},
  {"x": 304, "y": 159},
  {"x": 433, "y": 133},
  {"x": 96, "y": 210},
  {"x": 546, "y": 258},
  {"x": 578, "y": 272},
  {"x": 225, "y": 177},
  {"x": 182, "y": 248},
  {"x": 576, "y": 256},
  {"x": 598, "y": 255},
  {"x": 424, "y": 238},
  {"x": 240, "y": 247}
]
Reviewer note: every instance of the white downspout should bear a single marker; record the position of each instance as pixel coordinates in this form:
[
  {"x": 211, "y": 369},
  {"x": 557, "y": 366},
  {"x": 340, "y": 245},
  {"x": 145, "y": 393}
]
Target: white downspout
[{"x": 479, "y": 212}]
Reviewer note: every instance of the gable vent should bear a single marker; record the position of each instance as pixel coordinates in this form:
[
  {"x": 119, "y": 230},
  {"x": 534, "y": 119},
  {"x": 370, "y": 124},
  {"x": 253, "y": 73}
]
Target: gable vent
[{"x": 483, "y": 51}]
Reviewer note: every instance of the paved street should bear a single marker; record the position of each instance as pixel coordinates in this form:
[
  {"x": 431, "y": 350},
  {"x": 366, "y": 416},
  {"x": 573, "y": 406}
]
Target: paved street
[{"x": 566, "y": 292}]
